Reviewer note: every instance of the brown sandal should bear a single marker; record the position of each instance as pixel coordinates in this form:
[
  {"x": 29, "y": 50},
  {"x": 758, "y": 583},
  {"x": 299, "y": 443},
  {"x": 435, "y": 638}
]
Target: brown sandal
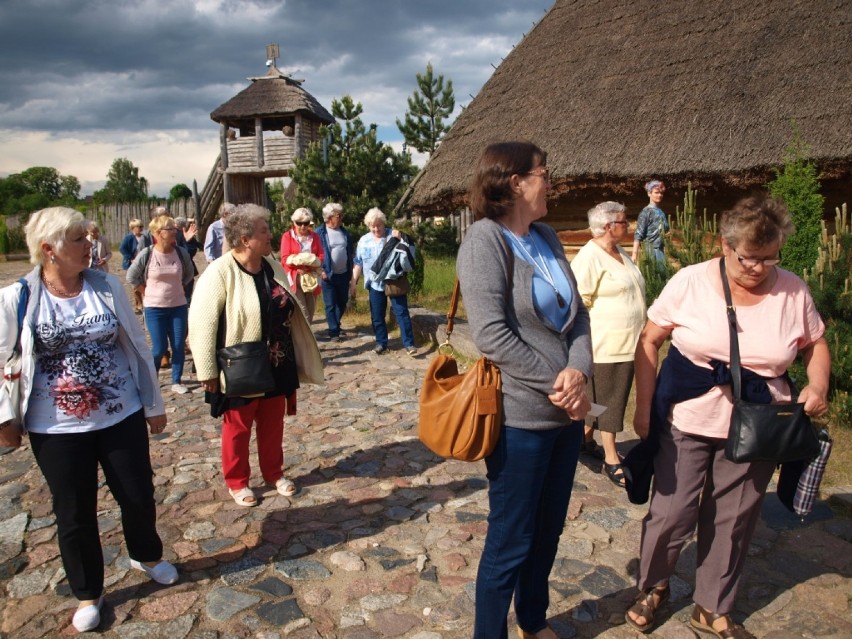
[
  {"x": 733, "y": 631},
  {"x": 644, "y": 606}
]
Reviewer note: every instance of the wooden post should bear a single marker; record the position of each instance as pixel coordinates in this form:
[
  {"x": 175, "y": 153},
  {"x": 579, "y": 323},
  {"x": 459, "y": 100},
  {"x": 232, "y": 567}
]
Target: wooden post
[
  {"x": 223, "y": 144},
  {"x": 297, "y": 137},
  {"x": 258, "y": 134}
]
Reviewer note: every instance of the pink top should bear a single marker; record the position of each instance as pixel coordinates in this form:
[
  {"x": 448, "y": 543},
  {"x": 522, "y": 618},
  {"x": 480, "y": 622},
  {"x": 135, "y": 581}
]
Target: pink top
[
  {"x": 770, "y": 335},
  {"x": 164, "y": 287}
]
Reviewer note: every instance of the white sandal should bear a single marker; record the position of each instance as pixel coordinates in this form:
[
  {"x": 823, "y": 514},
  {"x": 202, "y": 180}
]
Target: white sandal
[
  {"x": 286, "y": 487},
  {"x": 244, "y": 497}
]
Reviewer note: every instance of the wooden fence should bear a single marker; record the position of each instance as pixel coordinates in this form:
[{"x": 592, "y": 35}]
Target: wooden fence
[{"x": 114, "y": 219}]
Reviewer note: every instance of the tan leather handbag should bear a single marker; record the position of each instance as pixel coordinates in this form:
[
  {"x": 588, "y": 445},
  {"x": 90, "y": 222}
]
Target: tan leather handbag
[{"x": 460, "y": 413}]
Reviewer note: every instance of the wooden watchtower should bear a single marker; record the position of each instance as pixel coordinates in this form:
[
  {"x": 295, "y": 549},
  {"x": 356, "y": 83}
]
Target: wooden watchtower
[{"x": 262, "y": 130}]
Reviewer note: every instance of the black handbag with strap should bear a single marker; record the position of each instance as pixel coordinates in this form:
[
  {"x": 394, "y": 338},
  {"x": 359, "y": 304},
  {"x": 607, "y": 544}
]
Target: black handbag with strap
[
  {"x": 246, "y": 366},
  {"x": 763, "y": 432}
]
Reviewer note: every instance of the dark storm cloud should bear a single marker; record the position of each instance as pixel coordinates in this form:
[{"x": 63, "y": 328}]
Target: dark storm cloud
[{"x": 166, "y": 64}]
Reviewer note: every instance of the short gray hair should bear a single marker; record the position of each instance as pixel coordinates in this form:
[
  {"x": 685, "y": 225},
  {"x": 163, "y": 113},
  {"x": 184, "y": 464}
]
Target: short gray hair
[
  {"x": 375, "y": 215},
  {"x": 302, "y": 214},
  {"x": 240, "y": 222},
  {"x": 180, "y": 222},
  {"x": 157, "y": 211},
  {"x": 603, "y": 214},
  {"x": 51, "y": 226},
  {"x": 226, "y": 209},
  {"x": 91, "y": 225},
  {"x": 330, "y": 209}
]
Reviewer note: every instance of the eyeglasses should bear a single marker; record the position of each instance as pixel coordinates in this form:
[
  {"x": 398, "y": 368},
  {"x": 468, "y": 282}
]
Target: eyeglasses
[
  {"x": 302, "y": 223},
  {"x": 545, "y": 175},
  {"x": 169, "y": 228},
  {"x": 624, "y": 223},
  {"x": 751, "y": 262}
]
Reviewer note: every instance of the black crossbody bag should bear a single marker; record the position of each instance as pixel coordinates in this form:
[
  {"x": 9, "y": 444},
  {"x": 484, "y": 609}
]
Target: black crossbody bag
[{"x": 763, "y": 432}]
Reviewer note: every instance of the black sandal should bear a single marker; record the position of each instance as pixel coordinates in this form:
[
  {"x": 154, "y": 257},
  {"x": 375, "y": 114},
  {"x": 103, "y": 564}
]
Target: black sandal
[
  {"x": 615, "y": 472},
  {"x": 644, "y": 607}
]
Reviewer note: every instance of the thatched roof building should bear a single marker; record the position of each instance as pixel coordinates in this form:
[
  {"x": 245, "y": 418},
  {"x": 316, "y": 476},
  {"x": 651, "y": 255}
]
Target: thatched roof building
[{"x": 618, "y": 91}]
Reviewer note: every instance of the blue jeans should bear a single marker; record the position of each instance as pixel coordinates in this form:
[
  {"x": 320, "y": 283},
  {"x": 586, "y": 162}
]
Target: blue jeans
[
  {"x": 530, "y": 476},
  {"x": 335, "y": 296},
  {"x": 167, "y": 325},
  {"x": 378, "y": 310}
]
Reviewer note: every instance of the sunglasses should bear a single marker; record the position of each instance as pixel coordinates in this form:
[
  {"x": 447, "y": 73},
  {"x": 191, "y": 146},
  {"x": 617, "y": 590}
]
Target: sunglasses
[{"x": 302, "y": 223}]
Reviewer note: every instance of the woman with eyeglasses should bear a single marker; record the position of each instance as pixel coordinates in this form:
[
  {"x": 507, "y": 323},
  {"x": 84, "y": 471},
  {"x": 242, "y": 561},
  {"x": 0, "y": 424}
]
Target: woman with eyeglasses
[
  {"x": 613, "y": 290},
  {"x": 301, "y": 257},
  {"x": 161, "y": 273},
  {"x": 695, "y": 485},
  {"x": 525, "y": 315}
]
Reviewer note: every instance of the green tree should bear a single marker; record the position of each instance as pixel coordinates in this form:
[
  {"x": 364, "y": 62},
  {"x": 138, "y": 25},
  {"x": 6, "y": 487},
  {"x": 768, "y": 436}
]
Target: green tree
[
  {"x": 349, "y": 165},
  {"x": 180, "y": 192},
  {"x": 123, "y": 184},
  {"x": 797, "y": 184},
  {"x": 69, "y": 189},
  {"x": 43, "y": 180},
  {"x": 428, "y": 109}
]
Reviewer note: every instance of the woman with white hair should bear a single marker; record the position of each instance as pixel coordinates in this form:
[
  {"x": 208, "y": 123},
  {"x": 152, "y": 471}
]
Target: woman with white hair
[
  {"x": 244, "y": 297},
  {"x": 613, "y": 290},
  {"x": 369, "y": 248},
  {"x": 101, "y": 251},
  {"x": 88, "y": 387},
  {"x": 337, "y": 263},
  {"x": 301, "y": 257}
]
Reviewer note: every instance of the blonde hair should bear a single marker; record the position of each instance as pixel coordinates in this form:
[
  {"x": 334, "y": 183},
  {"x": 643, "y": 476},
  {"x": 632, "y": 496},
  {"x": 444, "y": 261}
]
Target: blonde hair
[
  {"x": 135, "y": 223},
  {"x": 159, "y": 222},
  {"x": 51, "y": 226}
]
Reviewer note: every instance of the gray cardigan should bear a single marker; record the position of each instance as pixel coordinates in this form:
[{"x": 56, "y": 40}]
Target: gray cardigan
[{"x": 507, "y": 329}]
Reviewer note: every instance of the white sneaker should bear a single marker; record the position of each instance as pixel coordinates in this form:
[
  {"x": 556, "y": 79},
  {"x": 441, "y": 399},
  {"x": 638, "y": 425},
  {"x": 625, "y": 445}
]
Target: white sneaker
[
  {"x": 180, "y": 389},
  {"x": 163, "y": 573},
  {"x": 88, "y": 617}
]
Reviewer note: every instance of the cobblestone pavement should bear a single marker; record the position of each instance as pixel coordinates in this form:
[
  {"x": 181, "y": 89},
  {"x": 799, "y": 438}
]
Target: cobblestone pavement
[{"x": 383, "y": 538}]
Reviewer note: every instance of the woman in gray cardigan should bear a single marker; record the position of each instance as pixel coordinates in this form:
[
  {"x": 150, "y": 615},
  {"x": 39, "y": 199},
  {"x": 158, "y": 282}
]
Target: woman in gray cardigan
[{"x": 527, "y": 316}]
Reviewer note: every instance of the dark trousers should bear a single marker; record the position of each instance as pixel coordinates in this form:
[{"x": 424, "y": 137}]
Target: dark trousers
[
  {"x": 378, "y": 310},
  {"x": 69, "y": 463},
  {"x": 335, "y": 297},
  {"x": 530, "y": 475},
  {"x": 695, "y": 485}
]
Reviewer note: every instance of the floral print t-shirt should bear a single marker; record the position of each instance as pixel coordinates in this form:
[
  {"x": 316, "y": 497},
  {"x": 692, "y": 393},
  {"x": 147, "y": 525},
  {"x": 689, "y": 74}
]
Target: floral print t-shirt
[{"x": 82, "y": 379}]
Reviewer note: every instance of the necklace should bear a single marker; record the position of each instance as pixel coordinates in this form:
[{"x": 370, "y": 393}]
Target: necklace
[
  {"x": 60, "y": 292},
  {"x": 541, "y": 268}
]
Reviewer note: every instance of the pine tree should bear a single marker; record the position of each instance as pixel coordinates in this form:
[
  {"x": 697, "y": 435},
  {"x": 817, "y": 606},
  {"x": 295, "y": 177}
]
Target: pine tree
[
  {"x": 797, "y": 184},
  {"x": 428, "y": 109}
]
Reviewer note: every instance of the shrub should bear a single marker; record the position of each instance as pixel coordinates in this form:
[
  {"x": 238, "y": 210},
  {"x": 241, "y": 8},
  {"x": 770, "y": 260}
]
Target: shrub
[
  {"x": 831, "y": 286},
  {"x": 797, "y": 184}
]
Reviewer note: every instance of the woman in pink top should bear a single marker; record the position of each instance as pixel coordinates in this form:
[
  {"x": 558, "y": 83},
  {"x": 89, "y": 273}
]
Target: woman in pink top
[
  {"x": 160, "y": 273},
  {"x": 301, "y": 257},
  {"x": 695, "y": 486}
]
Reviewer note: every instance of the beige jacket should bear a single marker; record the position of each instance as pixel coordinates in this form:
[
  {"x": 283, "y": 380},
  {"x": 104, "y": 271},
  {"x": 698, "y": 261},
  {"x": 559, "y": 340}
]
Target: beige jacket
[{"x": 223, "y": 285}]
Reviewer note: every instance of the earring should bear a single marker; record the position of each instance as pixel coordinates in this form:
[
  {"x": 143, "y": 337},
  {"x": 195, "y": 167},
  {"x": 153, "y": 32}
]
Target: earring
[{"x": 53, "y": 259}]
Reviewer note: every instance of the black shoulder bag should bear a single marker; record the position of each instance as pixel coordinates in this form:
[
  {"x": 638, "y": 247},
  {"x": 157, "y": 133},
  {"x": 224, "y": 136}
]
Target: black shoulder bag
[
  {"x": 763, "y": 432},
  {"x": 246, "y": 365}
]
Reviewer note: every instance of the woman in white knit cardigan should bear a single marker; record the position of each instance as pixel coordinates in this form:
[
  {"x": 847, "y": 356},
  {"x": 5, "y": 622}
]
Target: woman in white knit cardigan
[{"x": 244, "y": 297}]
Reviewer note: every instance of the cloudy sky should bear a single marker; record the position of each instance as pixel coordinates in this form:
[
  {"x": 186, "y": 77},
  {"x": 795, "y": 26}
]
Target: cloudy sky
[{"x": 86, "y": 81}]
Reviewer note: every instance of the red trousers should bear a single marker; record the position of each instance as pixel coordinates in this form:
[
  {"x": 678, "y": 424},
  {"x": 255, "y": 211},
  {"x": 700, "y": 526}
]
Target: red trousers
[{"x": 268, "y": 415}]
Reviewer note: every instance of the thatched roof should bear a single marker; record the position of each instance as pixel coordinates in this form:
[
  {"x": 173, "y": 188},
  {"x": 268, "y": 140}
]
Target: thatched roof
[
  {"x": 272, "y": 95},
  {"x": 619, "y": 90}
]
